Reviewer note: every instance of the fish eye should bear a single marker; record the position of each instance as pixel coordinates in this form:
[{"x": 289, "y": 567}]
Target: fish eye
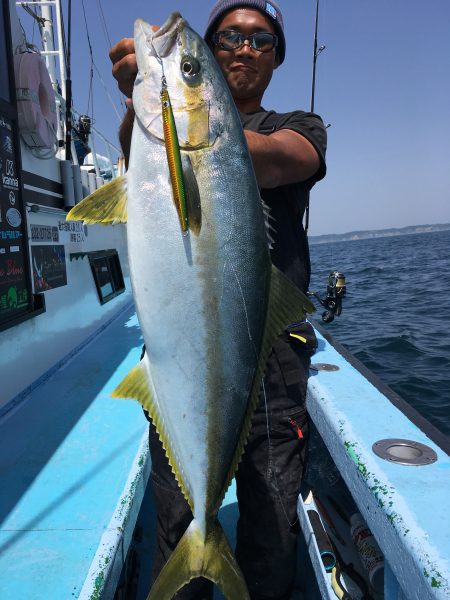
[{"x": 190, "y": 67}]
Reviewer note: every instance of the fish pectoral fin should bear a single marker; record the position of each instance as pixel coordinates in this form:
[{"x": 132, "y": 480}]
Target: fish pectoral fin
[
  {"x": 194, "y": 557},
  {"x": 192, "y": 195},
  {"x": 107, "y": 205}
]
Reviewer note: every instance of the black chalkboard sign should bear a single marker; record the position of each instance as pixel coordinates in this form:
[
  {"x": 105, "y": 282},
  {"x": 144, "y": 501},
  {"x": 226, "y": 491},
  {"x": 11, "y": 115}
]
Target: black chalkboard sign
[
  {"x": 15, "y": 296},
  {"x": 17, "y": 301}
]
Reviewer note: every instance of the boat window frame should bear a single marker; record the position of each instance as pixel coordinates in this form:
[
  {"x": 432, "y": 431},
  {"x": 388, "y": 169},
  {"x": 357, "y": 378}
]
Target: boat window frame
[{"x": 114, "y": 268}]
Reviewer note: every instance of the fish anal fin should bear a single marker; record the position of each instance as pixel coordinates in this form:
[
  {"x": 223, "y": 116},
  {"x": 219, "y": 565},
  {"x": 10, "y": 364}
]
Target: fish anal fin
[
  {"x": 137, "y": 386},
  {"x": 197, "y": 556},
  {"x": 287, "y": 304},
  {"x": 192, "y": 195},
  {"x": 107, "y": 205}
]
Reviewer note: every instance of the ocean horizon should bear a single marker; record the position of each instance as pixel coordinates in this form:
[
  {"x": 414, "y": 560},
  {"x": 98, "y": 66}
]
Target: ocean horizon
[{"x": 394, "y": 314}]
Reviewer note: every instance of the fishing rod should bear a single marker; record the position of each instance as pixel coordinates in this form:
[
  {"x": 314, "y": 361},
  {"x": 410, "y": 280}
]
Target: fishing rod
[
  {"x": 336, "y": 287},
  {"x": 316, "y": 53}
]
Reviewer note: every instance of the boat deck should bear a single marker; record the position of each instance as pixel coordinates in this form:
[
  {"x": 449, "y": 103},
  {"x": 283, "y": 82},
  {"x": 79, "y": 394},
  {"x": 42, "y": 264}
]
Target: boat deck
[{"x": 74, "y": 466}]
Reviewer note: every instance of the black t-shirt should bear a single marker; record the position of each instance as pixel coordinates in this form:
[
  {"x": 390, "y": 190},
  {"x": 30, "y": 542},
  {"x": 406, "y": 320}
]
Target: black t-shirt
[{"x": 290, "y": 252}]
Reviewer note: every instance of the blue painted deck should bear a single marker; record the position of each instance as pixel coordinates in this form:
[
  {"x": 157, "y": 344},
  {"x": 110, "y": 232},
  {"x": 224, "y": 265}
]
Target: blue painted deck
[
  {"x": 74, "y": 465},
  {"x": 406, "y": 507}
]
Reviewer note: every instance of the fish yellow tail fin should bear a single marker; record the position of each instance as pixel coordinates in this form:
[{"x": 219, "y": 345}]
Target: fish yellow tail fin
[{"x": 196, "y": 557}]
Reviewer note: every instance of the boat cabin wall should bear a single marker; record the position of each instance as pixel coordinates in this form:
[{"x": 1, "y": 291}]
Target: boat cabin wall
[
  {"x": 74, "y": 312},
  {"x": 59, "y": 282}
]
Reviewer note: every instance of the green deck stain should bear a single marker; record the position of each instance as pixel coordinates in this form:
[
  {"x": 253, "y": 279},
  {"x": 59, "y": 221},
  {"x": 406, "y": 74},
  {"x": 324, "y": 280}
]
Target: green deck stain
[
  {"x": 435, "y": 583},
  {"x": 98, "y": 586}
]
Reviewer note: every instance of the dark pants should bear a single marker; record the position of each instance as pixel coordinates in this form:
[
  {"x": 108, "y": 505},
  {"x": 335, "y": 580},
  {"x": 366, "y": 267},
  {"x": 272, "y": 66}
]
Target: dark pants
[{"x": 268, "y": 483}]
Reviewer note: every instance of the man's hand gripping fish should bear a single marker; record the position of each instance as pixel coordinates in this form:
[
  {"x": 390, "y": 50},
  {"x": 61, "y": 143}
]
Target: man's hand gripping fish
[{"x": 208, "y": 299}]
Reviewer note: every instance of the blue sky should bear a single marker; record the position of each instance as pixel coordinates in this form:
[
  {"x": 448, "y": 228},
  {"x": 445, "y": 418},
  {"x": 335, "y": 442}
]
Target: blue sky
[{"x": 383, "y": 83}]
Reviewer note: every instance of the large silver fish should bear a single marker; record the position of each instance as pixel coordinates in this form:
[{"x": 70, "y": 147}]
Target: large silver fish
[{"x": 209, "y": 301}]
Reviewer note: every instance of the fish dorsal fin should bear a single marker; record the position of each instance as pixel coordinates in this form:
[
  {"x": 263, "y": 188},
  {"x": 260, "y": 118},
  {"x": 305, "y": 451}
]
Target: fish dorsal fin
[
  {"x": 107, "y": 205},
  {"x": 287, "y": 304},
  {"x": 192, "y": 195},
  {"x": 137, "y": 385},
  {"x": 267, "y": 218}
]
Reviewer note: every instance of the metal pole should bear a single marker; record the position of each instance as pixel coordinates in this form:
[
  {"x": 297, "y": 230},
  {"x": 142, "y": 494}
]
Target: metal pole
[
  {"x": 68, "y": 86},
  {"x": 48, "y": 41}
]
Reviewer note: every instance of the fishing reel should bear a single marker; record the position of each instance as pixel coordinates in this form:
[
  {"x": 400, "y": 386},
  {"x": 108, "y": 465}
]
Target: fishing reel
[
  {"x": 332, "y": 302},
  {"x": 84, "y": 128}
]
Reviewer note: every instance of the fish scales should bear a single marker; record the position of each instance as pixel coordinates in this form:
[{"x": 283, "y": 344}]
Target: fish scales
[
  {"x": 193, "y": 314},
  {"x": 209, "y": 302},
  {"x": 204, "y": 297}
]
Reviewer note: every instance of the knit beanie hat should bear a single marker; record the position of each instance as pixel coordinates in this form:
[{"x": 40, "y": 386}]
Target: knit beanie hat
[{"x": 269, "y": 9}]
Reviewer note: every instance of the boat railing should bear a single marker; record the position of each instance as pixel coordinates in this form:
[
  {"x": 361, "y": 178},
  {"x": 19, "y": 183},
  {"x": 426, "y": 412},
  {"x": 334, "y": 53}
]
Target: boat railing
[
  {"x": 94, "y": 133},
  {"x": 53, "y": 52}
]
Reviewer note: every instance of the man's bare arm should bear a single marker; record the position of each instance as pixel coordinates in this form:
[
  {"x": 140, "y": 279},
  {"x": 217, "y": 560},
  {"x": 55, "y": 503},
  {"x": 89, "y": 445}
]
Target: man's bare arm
[
  {"x": 282, "y": 157},
  {"x": 124, "y": 70}
]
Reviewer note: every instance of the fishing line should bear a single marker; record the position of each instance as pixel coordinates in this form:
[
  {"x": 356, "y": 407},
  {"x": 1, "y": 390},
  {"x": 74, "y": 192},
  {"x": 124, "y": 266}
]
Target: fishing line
[
  {"x": 277, "y": 487},
  {"x": 105, "y": 28},
  {"x": 91, "y": 73},
  {"x": 91, "y": 76},
  {"x": 245, "y": 311},
  {"x": 106, "y": 32},
  {"x": 269, "y": 440}
]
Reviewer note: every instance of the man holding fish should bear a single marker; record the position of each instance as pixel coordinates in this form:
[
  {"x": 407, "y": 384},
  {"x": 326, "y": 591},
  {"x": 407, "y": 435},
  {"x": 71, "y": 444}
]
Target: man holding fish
[{"x": 287, "y": 153}]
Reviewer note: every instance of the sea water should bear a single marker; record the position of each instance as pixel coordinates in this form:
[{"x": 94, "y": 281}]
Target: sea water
[{"x": 396, "y": 315}]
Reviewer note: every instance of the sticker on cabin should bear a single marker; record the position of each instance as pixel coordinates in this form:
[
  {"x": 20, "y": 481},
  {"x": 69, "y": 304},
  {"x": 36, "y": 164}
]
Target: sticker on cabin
[
  {"x": 13, "y": 297},
  {"x": 11, "y": 271},
  {"x": 8, "y": 145},
  {"x": 49, "y": 267},
  {"x": 44, "y": 233},
  {"x": 10, "y": 235},
  {"x": 72, "y": 232},
  {"x": 13, "y": 217},
  {"x": 9, "y": 176}
]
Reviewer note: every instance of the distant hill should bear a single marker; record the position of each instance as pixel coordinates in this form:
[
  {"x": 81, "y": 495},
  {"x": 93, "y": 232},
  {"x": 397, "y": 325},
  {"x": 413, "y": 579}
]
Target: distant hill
[{"x": 376, "y": 233}]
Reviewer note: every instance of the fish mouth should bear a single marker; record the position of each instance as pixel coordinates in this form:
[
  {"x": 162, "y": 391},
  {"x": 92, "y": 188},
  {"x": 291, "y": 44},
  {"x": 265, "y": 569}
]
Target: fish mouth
[
  {"x": 191, "y": 112},
  {"x": 162, "y": 41}
]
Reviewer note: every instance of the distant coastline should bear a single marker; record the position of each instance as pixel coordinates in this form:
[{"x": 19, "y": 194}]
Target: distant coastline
[{"x": 376, "y": 233}]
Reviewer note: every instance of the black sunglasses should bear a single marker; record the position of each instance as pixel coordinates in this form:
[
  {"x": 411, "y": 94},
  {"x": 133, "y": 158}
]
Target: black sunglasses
[{"x": 263, "y": 41}]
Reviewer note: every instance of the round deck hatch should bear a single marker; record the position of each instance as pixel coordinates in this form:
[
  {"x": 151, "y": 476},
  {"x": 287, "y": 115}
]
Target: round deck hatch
[
  {"x": 404, "y": 452},
  {"x": 323, "y": 367}
]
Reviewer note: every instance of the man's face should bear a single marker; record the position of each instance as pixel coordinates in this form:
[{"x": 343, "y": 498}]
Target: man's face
[{"x": 247, "y": 71}]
